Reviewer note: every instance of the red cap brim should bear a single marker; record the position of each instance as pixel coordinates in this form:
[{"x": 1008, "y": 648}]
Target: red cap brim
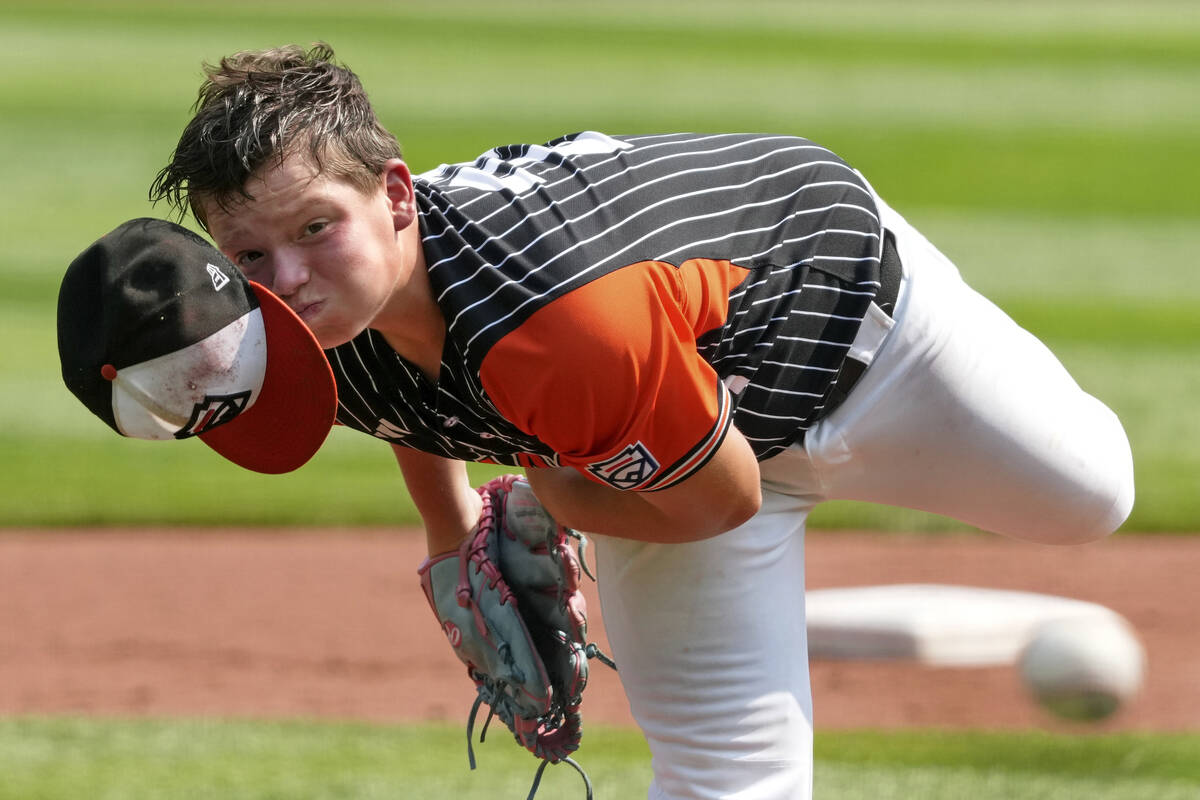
[{"x": 295, "y": 410}]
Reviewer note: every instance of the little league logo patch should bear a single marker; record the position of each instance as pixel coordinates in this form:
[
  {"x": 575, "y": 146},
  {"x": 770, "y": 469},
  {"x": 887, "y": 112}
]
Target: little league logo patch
[
  {"x": 215, "y": 410},
  {"x": 628, "y": 469}
]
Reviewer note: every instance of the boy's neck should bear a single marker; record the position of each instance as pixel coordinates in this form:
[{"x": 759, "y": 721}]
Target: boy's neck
[{"x": 412, "y": 322}]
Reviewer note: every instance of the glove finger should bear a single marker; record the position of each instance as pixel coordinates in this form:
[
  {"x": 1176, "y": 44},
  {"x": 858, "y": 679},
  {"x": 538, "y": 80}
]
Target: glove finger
[
  {"x": 537, "y": 558},
  {"x": 516, "y": 654},
  {"x": 528, "y": 571},
  {"x": 566, "y": 662},
  {"x": 568, "y": 614},
  {"x": 524, "y": 515}
]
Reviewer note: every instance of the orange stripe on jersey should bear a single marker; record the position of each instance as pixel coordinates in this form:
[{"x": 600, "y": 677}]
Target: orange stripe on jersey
[
  {"x": 704, "y": 451},
  {"x": 608, "y": 375}
]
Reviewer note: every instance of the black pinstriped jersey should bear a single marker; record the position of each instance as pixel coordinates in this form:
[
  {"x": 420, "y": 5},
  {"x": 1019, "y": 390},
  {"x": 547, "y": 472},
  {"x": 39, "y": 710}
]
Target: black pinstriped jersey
[{"x": 525, "y": 225}]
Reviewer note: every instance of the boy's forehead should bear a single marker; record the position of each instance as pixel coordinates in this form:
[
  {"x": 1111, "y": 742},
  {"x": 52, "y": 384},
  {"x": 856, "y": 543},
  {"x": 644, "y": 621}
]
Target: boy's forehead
[
  {"x": 277, "y": 187},
  {"x": 286, "y": 176}
]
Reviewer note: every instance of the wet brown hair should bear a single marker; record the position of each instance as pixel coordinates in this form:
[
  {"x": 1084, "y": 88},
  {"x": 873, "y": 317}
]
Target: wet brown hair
[{"x": 261, "y": 105}]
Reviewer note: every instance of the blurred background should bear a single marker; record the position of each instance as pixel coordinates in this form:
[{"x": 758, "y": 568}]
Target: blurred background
[{"x": 1052, "y": 150}]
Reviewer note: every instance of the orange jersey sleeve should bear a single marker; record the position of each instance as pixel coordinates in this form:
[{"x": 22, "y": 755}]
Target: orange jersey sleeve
[{"x": 608, "y": 375}]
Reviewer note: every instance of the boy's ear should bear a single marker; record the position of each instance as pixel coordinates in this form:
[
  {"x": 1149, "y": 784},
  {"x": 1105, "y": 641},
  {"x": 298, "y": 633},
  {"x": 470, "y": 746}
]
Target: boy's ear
[{"x": 397, "y": 184}]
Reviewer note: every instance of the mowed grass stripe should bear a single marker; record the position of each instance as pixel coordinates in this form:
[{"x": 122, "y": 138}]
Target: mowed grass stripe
[
  {"x": 61, "y": 759},
  {"x": 1016, "y": 136},
  {"x": 1013, "y": 256},
  {"x": 1165, "y": 36},
  {"x": 984, "y": 73},
  {"x": 858, "y": 782},
  {"x": 55, "y": 759},
  {"x": 1111, "y": 323},
  {"x": 102, "y": 479},
  {"x": 590, "y": 82},
  {"x": 1072, "y": 175},
  {"x": 1063, "y": 174},
  {"x": 1123, "y": 755}
]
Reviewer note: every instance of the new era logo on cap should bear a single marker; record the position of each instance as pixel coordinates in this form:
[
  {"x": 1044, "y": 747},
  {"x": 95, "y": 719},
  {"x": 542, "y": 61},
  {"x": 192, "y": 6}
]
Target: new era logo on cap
[
  {"x": 219, "y": 279},
  {"x": 150, "y": 348}
]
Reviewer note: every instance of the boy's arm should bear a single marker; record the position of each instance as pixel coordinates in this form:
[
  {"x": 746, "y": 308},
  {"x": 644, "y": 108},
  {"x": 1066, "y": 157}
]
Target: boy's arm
[
  {"x": 443, "y": 495},
  {"x": 723, "y": 494}
]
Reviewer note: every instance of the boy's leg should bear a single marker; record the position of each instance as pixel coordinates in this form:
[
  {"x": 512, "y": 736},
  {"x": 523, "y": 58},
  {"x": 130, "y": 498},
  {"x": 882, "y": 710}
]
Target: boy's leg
[
  {"x": 963, "y": 413},
  {"x": 710, "y": 644}
]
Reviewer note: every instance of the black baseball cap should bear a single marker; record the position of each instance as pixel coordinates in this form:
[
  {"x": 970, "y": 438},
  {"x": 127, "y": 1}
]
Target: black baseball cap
[{"x": 161, "y": 337}]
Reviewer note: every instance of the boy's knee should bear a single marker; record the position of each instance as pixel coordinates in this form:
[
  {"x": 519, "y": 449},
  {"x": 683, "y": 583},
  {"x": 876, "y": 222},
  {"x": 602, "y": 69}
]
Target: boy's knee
[
  {"x": 1105, "y": 504},
  {"x": 1093, "y": 528},
  {"x": 1120, "y": 509}
]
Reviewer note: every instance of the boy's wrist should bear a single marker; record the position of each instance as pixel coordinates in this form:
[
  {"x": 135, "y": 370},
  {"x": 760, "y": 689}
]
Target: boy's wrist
[{"x": 446, "y": 530}]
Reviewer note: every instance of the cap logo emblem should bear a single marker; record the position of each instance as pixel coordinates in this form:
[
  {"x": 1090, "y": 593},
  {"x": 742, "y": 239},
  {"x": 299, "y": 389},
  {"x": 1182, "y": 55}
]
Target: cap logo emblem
[
  {"x": 219, "y": 279},
  {"x": 216, "y": 409}
]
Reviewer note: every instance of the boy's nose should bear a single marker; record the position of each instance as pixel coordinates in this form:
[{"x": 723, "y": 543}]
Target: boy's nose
[{"x": 289, "y": 275}]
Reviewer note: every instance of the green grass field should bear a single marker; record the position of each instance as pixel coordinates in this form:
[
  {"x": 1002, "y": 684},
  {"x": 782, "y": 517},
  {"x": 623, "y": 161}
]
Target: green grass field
[
  {"x": 1052, "y": 152},
  {"x": 53, "y": 759}
]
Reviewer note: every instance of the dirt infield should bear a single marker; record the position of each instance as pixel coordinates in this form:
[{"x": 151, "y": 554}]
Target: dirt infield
[{"x": 332, "y": 624}]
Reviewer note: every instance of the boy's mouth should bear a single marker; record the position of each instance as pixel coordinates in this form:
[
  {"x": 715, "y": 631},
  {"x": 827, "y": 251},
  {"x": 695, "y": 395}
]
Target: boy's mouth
[{"x": 307, "y": 311}]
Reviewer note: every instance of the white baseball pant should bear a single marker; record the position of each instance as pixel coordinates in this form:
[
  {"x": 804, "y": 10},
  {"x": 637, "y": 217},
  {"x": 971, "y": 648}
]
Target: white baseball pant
[{"x": 961, "y": 413}]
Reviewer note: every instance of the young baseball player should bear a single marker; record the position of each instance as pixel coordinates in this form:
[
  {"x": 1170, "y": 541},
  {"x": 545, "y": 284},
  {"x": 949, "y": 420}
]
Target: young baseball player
[{"x": 687, "y": 341}]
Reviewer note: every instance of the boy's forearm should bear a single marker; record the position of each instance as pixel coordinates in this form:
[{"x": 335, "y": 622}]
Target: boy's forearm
[
  {"x": 441, "y": 490},
  {"x": 575, "y": 501},
  {"x": 718, "y": 497},
  {"x": 582, "y": 504}
]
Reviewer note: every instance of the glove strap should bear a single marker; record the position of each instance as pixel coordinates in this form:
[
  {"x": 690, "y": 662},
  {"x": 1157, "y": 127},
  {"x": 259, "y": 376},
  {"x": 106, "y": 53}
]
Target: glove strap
[{"x": 537, "y": 778}]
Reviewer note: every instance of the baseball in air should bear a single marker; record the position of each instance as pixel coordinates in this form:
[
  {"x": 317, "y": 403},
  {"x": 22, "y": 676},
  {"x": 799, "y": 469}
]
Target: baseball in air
[{"x": 1083, "y": 669}]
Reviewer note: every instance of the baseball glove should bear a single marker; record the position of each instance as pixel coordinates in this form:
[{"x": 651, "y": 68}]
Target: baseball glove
[{"x": 509, "y": 603}]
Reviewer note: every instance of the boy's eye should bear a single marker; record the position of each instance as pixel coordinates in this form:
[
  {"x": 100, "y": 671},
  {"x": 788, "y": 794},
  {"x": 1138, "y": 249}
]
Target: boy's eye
[
  {"x": 247, "y": 259},
  {"x": 314, "y": 228}
]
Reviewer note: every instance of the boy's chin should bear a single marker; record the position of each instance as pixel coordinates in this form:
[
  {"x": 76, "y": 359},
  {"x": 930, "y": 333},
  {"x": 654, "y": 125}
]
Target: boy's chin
[{"x": 329, "y": 339}]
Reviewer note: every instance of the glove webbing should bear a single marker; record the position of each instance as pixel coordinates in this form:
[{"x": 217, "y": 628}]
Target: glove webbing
[
  {"x": 492, "y": 692},
  {"x": 541, "y": 768}
]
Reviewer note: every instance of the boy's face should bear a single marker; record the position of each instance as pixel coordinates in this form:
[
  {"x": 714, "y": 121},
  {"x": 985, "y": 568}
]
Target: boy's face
[{"x": 326, "y": 247}]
